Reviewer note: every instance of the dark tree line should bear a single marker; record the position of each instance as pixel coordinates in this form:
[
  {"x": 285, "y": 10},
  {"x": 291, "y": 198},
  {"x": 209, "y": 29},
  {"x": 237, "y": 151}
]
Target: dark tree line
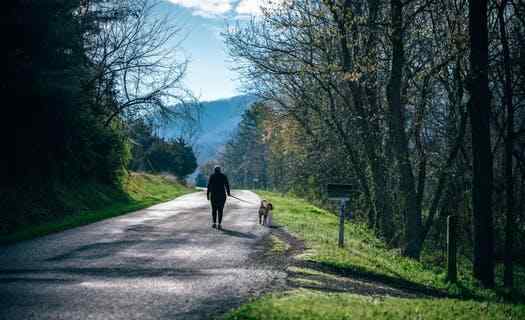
[
  {"x": 77, "y": 74},
  {"x": 418, "y": 103},
  {"x": 151, "y": 153}
]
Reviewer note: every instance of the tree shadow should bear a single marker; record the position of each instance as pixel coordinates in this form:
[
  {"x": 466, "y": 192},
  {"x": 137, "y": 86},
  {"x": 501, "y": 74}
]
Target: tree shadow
[
  {"x": 397, "y": 282},
  {"x": 95, "y": 250},
  {"x": 377, "y": 262},
  {"x": 32, "y": 280},
  {"x": 16, "y": 275},
  {"x": 362, "y": 274},
  {"x": 328, "y": 282}
]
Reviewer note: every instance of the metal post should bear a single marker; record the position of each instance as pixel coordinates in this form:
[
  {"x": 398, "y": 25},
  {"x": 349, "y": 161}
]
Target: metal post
[
  {"x": 451, "y": 249},
  {"x": 342, "y": 224}
]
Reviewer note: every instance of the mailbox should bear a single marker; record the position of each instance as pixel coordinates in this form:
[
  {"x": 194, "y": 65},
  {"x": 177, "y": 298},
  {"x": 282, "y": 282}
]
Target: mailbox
[{"x": 340, "y": 192}]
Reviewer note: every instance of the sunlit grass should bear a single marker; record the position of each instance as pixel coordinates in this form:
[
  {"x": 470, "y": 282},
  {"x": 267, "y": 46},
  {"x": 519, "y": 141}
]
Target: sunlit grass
[
  {"x": 362, "y": 249},
  {"x": 363, "y": 252},
  {"x": 366, "y": 257},
  {"x": 139, "y": 191},
  {"x": 308, "y": 304},
  {"x": 277, "y": 246}
]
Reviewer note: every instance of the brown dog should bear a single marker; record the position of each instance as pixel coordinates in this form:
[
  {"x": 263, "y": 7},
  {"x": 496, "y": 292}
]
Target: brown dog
[{"x": 265, "y": 208}]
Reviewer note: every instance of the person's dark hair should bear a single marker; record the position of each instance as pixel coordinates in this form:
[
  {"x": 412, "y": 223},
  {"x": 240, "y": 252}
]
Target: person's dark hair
[{"x": 217, "y": 169}]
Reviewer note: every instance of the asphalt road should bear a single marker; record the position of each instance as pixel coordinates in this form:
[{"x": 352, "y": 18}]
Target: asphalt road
[{"x": 164, "y": 262}]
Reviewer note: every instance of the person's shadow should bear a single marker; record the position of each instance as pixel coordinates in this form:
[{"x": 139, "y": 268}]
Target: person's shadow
[{"x": 238, "y": 234}]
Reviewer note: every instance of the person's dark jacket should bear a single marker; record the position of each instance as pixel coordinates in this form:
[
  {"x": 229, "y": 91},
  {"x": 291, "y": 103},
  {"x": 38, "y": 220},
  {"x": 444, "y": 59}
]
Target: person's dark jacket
[{"x": 218, "y": 187}]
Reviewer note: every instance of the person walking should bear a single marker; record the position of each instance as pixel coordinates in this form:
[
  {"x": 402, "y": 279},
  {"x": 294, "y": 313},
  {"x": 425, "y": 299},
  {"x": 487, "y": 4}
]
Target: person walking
[{"x": 218, "y": 188}]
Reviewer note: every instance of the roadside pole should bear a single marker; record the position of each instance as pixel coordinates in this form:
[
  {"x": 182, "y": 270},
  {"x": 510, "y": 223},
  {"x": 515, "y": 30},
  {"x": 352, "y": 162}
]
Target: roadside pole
[
  {"x": 342, "y": 224},
  {"x": 452, "y": 271},
  {"x": 341, "y": 193}
]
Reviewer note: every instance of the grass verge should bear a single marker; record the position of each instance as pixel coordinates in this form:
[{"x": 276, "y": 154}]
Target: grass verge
[
  {"x": 314, "y": 305},
  {"x": 367, "y": 258},
  {"x": 97, "y": 202}
]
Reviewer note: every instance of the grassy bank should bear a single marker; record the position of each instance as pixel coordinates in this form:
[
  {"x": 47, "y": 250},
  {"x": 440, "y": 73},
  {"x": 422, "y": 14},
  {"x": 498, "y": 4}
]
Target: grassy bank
[
  {"x": 321, "y": 282},
  {"x": 314, "y": 305},
  {"x": 97, "y": 202}
]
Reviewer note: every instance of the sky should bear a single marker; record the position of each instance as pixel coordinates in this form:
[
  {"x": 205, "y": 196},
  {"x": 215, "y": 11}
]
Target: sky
[{"x": 209, "y": 75}]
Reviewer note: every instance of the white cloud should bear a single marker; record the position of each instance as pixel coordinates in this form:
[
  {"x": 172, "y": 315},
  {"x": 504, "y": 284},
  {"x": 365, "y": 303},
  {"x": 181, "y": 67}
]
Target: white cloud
[
  {"x": 253, "y": 7},
  {"x": 240, "y": 8},
  {"x": 249, "y": 7},
  {"x": 207, "y": 8}
]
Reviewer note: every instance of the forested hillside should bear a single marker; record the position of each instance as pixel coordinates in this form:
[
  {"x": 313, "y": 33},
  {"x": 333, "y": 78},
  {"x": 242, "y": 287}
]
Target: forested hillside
[
  {"x": 80, "y": 76},
  {"x": 419, "y": 104},
  {"x": 215, "y": 122}
]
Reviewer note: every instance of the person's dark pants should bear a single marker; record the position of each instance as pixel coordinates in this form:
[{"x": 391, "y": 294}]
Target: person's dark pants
[{"x": 216, "y": 210}]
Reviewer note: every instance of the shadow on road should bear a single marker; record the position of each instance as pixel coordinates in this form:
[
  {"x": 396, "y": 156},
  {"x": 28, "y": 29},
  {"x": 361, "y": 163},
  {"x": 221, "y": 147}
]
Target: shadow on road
[
  {"x": 34, "y": 275},
  {"x": 238, "y": 234}
]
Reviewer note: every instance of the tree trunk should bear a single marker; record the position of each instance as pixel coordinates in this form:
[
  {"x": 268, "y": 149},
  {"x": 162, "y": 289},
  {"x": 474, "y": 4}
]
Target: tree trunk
[
  {"x": 370, "y": 128},
  {"x": 509, "y": 146},
  {"x": 377, "y": 159},
  {"x": 481, "y": 151},
  {"x": 397, "y": 130}
]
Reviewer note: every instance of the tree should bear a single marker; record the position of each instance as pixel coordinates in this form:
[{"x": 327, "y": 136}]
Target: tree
[
  {"x": 245, "y": 155},
  {"x": 59, "y": 136},
  {"x": 481, "y": 151},
  {"x": 134, "y": 53},
  {"x": 152, "y": 153},
  {"x": 201, "y": 180},
  {"x": 509, "y": 148},
  {"x": 386, "y": 95},
  {"x": 397, "y": 130}
]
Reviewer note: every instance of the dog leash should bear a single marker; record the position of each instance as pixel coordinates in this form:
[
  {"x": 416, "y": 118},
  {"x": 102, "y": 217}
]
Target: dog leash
[{"x": 241, "y": 199}]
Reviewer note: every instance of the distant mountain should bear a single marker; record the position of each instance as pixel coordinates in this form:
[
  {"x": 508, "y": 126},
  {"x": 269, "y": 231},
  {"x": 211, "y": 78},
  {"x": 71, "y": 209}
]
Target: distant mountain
[{"x": 218, "y": 120}]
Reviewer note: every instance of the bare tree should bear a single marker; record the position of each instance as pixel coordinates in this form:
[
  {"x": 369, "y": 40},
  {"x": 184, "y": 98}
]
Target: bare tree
[
  {"x": 391, "y": 82},
  {"x": 136, "y": 60}
]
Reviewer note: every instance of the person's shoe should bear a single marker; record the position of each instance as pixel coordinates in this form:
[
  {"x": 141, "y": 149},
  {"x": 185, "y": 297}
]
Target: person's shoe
[
  {"x": 214, "y": 226},
  {"x": 220, "y": 227}
]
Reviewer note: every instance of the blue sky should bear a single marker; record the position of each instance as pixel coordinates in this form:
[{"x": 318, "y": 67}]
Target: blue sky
[{"x": 209, "y": 75}]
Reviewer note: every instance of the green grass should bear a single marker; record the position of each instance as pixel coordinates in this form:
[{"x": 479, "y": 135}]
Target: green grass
[
  {"x": 97, "y": 202},
  {"x": 366, "y": 257},
  {"x": 308, "y": 304},
  {"x": 277, "y": 246}
]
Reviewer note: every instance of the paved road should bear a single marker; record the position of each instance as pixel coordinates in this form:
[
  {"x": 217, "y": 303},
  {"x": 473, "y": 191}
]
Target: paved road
[{"x": 164, "y": 262}]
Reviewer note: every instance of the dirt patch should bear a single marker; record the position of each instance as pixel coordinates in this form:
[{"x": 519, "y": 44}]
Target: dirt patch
[{"x": 278, "y": 249}]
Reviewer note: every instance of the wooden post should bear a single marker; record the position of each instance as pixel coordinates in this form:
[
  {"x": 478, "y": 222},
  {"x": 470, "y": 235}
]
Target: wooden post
[
  {"x": 342, "y": 224},
  {"x": 451, "y": 249}
]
